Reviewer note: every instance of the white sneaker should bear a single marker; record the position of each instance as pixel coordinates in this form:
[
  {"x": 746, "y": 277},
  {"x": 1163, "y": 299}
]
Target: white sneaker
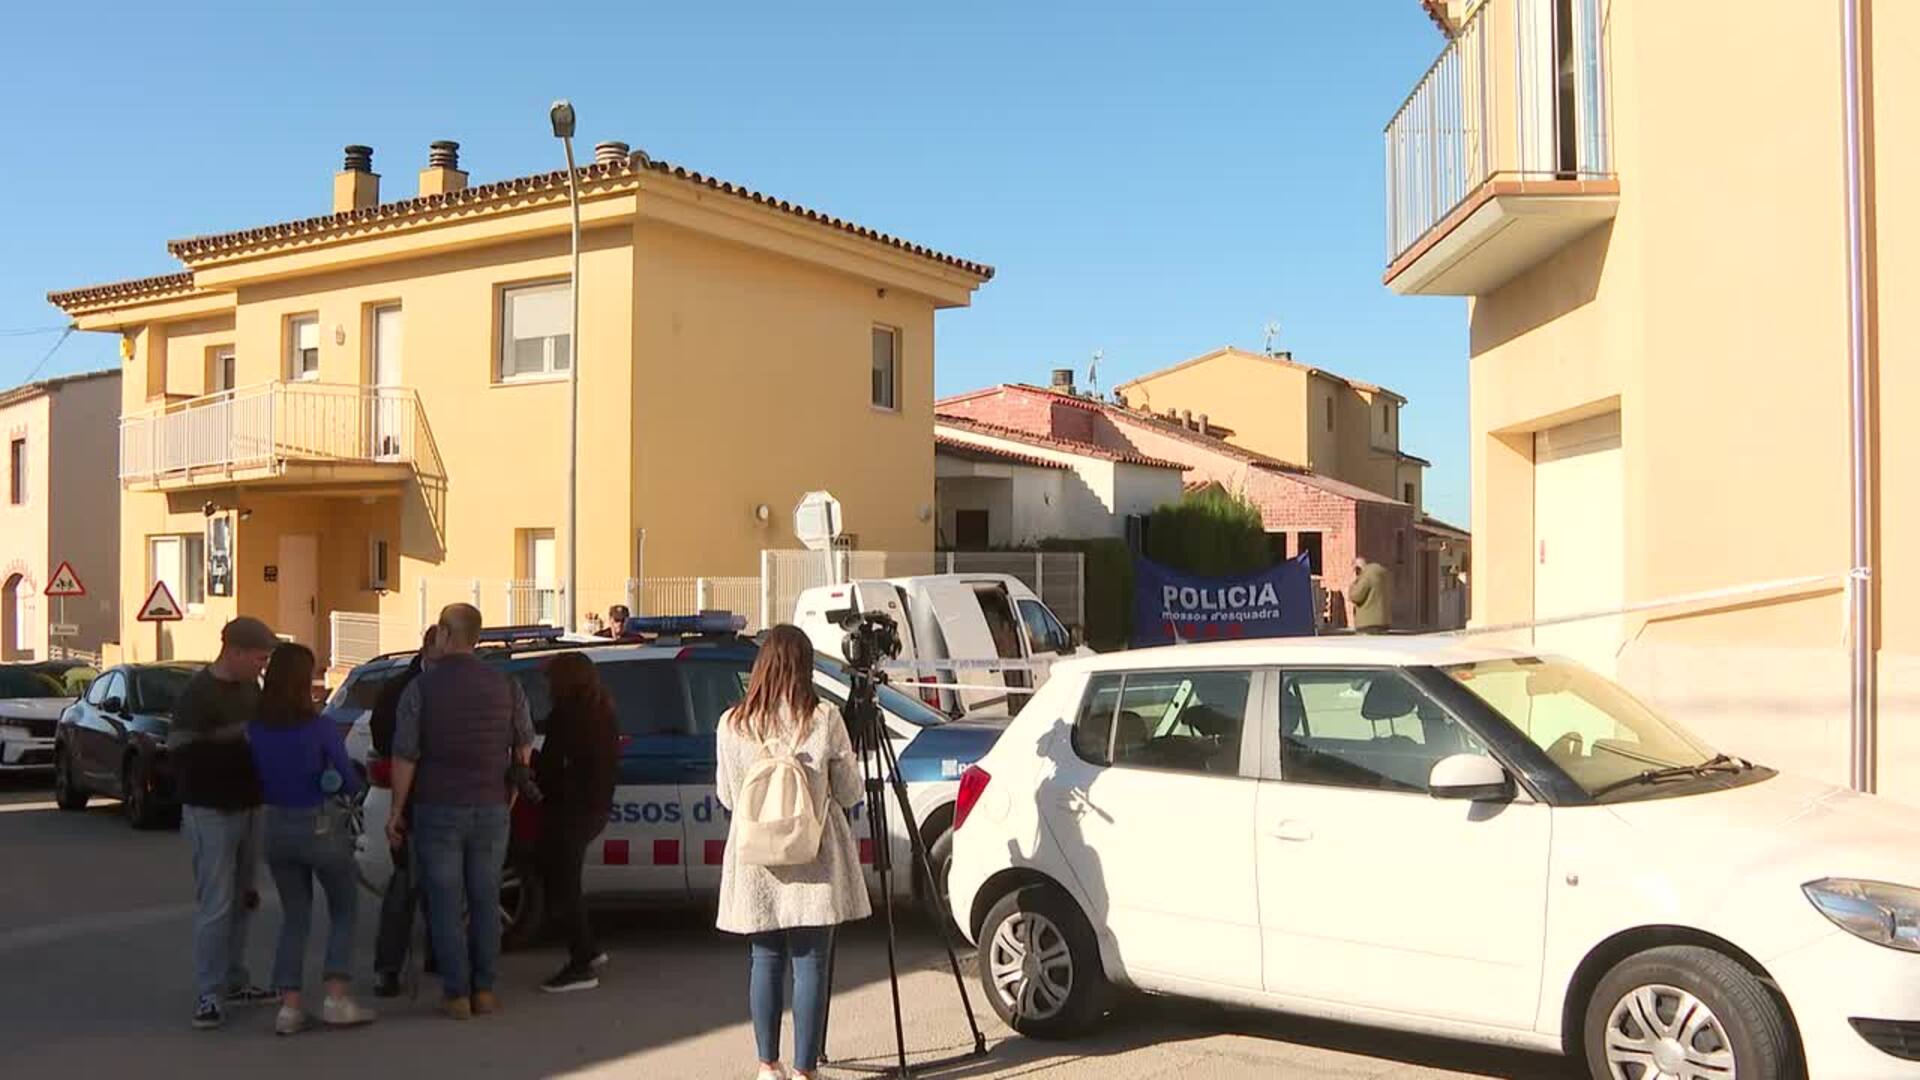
[
  {"x": 290, "y": 1021},
  {"x": 599, "y": 962},
  {"x": 778, "y": 1072},
  {"x": 345, "y": 1012}
]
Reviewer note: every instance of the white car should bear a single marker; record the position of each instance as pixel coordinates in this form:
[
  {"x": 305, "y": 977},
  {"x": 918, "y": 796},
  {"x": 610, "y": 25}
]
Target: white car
[{"x": 1441, "y": 837}]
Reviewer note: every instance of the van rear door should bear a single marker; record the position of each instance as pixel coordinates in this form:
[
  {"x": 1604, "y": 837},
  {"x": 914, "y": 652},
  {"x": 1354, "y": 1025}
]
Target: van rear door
[{"x": 963, "y": 626}]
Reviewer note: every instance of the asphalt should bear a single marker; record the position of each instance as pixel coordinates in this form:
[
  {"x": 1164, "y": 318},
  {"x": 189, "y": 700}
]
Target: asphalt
[{"x": 94, "y": 926}]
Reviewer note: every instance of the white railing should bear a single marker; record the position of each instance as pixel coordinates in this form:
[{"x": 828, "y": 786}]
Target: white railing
[
  {"x": 272, "y": 424},
  {"x": 358, "y": 637},
  {"x": 1515, "y": 94}
]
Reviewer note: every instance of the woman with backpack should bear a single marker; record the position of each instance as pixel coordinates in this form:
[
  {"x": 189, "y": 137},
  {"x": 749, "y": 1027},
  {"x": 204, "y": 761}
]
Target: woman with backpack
[
  {"x": 791, "y": 872},
  {"x": 575, "y": 772},
  {"x": 303, "y": 764}
]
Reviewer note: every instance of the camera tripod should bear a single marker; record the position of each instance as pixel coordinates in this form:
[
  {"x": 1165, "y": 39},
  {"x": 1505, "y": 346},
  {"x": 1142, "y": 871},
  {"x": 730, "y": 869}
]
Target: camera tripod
[{"x": 880, "y": 767}]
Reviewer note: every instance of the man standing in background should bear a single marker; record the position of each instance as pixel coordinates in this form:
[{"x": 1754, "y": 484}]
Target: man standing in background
[
  {"x": 1371, "y": 596},
  {"x": 220, "y": 800}
]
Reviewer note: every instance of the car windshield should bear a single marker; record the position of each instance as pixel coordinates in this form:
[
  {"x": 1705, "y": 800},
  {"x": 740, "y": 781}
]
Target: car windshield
[
  {"x": 1599, "y": 734},
  {"x": 905, "y": 706},
  {"x": 156, "y": 689},
  {"x": 21, "y": 683}
]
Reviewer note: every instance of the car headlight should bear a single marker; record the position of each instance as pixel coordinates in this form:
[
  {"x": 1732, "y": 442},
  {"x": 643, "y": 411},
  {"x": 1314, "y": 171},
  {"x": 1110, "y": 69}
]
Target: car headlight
[{"x": 1875, "y": 911}]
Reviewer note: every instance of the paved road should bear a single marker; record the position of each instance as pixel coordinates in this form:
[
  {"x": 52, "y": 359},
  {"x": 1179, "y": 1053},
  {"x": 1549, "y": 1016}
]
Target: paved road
[{"x": 93, "y": 945}]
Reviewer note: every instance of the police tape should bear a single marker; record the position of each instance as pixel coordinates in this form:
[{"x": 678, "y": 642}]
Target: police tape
[
  {"x": 1782, "y": 587},
  {"x": 937, "y": 666}
]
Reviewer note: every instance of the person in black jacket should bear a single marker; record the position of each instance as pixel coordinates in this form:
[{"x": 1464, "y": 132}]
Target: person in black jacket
[
  {"x": 403, "y": 892},
  {"x": 576, "y": 774}
]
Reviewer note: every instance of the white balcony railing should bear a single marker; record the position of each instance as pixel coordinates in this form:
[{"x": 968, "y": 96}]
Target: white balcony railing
[
  {"x": 1519, "y": 93},
  {"x": 272, "y": 425}
]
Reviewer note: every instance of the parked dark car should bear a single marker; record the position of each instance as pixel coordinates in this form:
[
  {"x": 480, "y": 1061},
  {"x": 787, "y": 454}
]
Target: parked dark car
[{"x": 112, "y": 742}]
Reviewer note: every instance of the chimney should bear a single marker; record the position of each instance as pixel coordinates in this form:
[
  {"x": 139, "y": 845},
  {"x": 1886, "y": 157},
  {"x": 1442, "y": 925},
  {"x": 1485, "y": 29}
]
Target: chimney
[
  {"x": 356, "y": 186},
  {"x": 1205, "y": 429},
  {"x": 1063, "y": 379},
  {"x": 442, "y": 174},
  {"x": 1186, "y": 419},
  {"x": 611, "y": 152}
]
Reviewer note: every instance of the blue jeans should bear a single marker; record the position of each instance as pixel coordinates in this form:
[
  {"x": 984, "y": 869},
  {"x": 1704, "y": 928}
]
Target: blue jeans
[
  {"x": 226, "y": 850},
  {"x": 807, "y": 947},
  {"x": 295, "y": 857},
  {"x": 460, "y": 851}
]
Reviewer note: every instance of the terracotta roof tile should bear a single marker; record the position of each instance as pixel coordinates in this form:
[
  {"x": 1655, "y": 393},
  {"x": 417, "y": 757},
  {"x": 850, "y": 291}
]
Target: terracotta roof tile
[
  {"x": 982, "y": 452},
  {"x": 158, "y": 285},
  {"x": 1050, "y": 442},
  {"x": 196, "y": 247}
]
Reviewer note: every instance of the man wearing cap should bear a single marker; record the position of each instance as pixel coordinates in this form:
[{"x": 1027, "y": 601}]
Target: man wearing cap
[{"x": 220, "y": 797}]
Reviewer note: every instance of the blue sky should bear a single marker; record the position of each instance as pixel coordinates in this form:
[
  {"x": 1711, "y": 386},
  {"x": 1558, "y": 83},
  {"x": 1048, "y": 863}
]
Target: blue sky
[{"x": 1151, "y": 180}]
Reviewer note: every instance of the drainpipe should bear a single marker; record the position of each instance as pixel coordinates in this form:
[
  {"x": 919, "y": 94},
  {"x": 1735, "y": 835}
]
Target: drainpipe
[{"x": 1864, "y": 728}]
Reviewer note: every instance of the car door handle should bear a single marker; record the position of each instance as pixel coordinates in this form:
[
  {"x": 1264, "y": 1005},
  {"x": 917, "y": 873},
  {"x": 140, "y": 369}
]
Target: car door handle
[{"x": 1292, "y": 830}]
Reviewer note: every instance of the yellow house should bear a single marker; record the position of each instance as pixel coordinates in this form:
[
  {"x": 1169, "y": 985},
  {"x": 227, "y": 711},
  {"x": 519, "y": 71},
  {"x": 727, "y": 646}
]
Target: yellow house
[
  {"x": 1647, "y": 204},
  {"x": 367, "y": 411},
  {"x": 1274, "y": 405}
]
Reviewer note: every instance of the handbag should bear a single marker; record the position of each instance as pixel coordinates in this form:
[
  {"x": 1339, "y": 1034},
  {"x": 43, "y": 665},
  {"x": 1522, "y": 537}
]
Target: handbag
[{"x": 336, "y": 814}]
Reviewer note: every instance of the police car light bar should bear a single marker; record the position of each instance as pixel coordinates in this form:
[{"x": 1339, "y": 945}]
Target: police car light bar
[
  {"x": 500, "y": 635},
  {"x": 707, "y": 622}
]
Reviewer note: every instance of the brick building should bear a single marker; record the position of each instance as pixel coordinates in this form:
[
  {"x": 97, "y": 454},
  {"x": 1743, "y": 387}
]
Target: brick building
[{"x": 1330, "y": 520}]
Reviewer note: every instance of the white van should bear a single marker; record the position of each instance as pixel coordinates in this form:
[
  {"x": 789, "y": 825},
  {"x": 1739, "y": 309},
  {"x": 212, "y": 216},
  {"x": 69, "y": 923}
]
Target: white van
[{"x": 979, "y": 618}]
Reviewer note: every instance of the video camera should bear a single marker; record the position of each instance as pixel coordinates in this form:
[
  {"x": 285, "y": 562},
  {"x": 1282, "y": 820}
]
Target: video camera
[{"x": 872, "y": 638}]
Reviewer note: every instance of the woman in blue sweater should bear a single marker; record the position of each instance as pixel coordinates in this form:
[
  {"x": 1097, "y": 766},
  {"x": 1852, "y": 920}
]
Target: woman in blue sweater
[{"x": 302, "y": 764}]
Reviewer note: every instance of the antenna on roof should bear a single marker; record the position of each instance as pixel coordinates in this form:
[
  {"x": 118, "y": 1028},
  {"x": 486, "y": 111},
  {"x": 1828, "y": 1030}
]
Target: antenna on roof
[
  {"x": 1093, "y": 373},
  {"x": 1272, "y": 331}
]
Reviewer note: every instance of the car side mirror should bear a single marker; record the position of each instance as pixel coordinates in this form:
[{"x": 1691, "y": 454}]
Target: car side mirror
[
  {"x": 1474, "y": 777},
  {"x": 114, "y": 705},
  {"x": 1076, "y": 636}
]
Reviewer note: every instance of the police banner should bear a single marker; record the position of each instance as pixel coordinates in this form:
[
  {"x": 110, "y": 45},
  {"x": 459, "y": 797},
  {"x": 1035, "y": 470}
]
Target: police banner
[{"x": 1171, "y": 607}]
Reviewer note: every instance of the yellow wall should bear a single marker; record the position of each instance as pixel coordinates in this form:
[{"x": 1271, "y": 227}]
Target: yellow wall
[{"x": 1711, "y": 312}]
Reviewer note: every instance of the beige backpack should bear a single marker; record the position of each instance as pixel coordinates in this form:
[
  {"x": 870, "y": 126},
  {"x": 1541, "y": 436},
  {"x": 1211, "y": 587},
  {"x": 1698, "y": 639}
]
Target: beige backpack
[{"x": 779, "y": 817}]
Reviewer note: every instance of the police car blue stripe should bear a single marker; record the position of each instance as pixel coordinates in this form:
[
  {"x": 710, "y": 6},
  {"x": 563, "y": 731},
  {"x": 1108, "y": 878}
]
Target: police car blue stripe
[{"x": 942, "y": 753}]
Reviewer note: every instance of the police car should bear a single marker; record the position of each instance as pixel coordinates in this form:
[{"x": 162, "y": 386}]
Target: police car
[{"x": 667, "y": 830}]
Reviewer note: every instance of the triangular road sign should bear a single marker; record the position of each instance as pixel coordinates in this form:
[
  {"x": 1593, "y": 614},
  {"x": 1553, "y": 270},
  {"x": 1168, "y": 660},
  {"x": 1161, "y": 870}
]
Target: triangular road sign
[
  {"x": 159, "y": 606},
  {"x": 65, "y": 582}
]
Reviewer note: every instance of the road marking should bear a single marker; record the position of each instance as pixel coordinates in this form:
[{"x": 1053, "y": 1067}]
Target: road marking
[
  {"x": 86, "y": 925},
  {"x": 14, "y": 808}
]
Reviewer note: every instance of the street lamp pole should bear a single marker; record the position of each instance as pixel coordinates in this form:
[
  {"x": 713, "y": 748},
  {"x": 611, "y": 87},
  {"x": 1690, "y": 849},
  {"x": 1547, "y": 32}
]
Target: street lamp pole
[{"x": 563, "y": 120}]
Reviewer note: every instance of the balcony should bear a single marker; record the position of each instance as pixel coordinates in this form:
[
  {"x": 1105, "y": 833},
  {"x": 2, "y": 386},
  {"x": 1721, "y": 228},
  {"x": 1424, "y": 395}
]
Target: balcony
[
  {"x": 284, "y": 434},
  {"x": 1502, "y": 154}
]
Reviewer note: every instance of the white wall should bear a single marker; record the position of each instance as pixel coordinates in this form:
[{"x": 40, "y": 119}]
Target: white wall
[
  {"x": 1090, "y": 498},
  {"x": 23, "y": 529}
]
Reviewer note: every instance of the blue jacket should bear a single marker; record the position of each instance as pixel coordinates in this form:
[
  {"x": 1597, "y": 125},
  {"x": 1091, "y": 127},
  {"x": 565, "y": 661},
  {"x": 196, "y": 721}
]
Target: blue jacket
[{"x": 290, "y": 760}]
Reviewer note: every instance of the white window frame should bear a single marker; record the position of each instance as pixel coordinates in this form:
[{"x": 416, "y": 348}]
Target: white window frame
[
  {"x": 503, "y": 368},
  {"x": 19, "y": 470},
  {"x": 379, "y": 563},
  {"x": 297, "y": 370},
  {"x": 893, "y": 377},
  {"x": 223, "y": 369},
  {"x": 188, "y": 573}
]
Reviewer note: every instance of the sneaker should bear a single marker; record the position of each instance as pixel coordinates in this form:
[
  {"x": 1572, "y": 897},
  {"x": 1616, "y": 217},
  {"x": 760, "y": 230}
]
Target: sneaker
[
  {"x": 775, "y": 1072},
  {"x": 571, "y": 978},
  {"x": 290, "y": 1021},
  {"x": 345, "y": 1012},
  {"x": 386, "y": 985},
  {"x": 208, "y": 1015},
  {"x": 485, "y": 1003},
  {"x": 457, "y": 1008},
  {"x": 250, "y": 994},
  {"x": 599, "y": 962}
]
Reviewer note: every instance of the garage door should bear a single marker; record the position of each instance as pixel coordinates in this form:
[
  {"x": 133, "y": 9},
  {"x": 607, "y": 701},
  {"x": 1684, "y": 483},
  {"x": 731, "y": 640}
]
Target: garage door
[{"x": 1579, "y": 538}]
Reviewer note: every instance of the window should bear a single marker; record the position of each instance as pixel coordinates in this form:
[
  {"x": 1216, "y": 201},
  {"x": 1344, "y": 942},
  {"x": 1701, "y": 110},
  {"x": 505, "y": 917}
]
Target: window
[
  {"x": 536, "y": 339},
  {"x": 1310, "y": 547},
  {"x": 886, "y": 367},
  {"x": 155, "y": 689},
  {"x": 1406, "y": 492},
  {"x": 1400, "y": 547},
  {"x": 379, "y": 562},
  {"x": 647, "y": 698},
  {"x": 1137, "y": 533},
  {"x": 971, "y": 529},
  {"x": 17, "y": 472},
  {"x": 303, "y": 347},
  {"x": 1185, "y": 721},
  {"x": 113, "y": 688},
  {"x": 1386, "y": 418},
  {"x": 97, "y": 689},
  {"x": 1364, "y": 729},
  {"x": 1277, "y": 546},
  {"x": 1043, "y": 630},
  {"x": 536, "y": 594},
  {"x": 1329, "y": 402},
  {"x": 364, "y": 692},
  {"x": 714, "y": 686},
  {"x": 181, "y": 562},
  {"x": 220, "y": 369}
]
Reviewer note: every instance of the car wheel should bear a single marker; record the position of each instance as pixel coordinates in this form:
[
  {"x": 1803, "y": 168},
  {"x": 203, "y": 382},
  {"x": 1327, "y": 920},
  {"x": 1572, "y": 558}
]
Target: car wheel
[
  {"x": 523, "y": 905},
  {"x": 140, "y": 800},
  {"x": 67, "y": 792},
  {"x": 1040, "y": 964},
  {"x": 1684, "y": 1011}
]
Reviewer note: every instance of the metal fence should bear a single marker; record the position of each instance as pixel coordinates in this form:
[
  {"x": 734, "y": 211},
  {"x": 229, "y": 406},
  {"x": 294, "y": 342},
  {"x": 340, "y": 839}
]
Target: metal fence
[
  {"x": 1057, "y": 577},
  {"x": 1492, "y": 105}
]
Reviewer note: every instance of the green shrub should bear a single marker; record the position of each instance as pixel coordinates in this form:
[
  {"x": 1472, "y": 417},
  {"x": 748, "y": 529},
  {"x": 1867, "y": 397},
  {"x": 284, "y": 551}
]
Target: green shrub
[{"x": 1209, "y": 532}]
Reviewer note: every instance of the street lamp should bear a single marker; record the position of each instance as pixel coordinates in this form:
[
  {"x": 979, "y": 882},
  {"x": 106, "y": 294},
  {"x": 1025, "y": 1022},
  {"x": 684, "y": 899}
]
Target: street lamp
[{"x": 562, "y": 116}]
